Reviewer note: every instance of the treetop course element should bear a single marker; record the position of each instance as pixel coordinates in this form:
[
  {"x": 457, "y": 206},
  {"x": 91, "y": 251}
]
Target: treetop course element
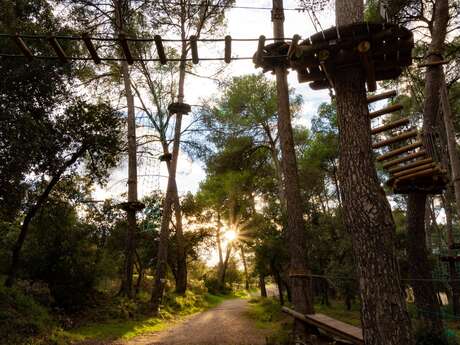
[
  {"x": 129, "y": 46},
  {"x": 383, "y": 50}
]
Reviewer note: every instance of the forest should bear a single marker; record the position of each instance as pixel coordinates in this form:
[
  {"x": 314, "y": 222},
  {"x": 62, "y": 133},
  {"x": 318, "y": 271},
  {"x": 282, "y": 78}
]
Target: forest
[{"x": 200, "y": 172}]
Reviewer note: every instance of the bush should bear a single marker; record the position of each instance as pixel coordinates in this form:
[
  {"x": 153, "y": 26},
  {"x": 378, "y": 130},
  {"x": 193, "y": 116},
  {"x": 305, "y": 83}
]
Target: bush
[
  {"x": 21, "y": 317},
  {"x": 424, "y": 337}
]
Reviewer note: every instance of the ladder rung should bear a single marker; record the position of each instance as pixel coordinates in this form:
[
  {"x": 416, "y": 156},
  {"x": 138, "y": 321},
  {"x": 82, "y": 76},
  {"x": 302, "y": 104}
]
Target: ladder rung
[
  {"x": 426, "y": 172},
  {"x": 125, "y": 47},
  {"x": 414, "y": 170},
  {"x": 419, "y": 153},
  {"x": 410, "y": 165},
  {"x": 58, "y": 49},
  {"x": 391, "y": 125},
  {"x": 380, "y": 96},
  {"x": 399, "y": 151},
  {"x": 91, "y": 48},
  {"x": 403, "y": 136},
  {"x": 386, "y": 110},
  {"x": 23, "y": 47}
]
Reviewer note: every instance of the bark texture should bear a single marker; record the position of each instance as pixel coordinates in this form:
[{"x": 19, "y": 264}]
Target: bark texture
[
  {"x": 419, "y": 266},
  {"x": 368, "y": 217},
  {"x": 300, "y": 281}
]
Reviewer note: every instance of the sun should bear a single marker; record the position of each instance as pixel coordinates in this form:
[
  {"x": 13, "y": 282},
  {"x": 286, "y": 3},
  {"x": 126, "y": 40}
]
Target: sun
[{"x": 230, "y": 235}]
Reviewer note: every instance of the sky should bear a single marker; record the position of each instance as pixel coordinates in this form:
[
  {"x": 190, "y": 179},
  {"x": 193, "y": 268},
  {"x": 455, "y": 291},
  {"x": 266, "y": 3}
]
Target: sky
[{"x": 241, "y": 23}]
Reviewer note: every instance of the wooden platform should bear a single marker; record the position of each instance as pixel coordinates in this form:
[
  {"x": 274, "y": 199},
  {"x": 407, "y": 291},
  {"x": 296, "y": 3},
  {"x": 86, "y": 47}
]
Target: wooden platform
[
  {"x": 382, "y": 50},
  {"x": 336, "y": 328}
]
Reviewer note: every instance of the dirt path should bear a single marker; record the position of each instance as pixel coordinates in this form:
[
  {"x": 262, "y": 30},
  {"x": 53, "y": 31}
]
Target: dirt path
[{"x": 226, "y": 324}]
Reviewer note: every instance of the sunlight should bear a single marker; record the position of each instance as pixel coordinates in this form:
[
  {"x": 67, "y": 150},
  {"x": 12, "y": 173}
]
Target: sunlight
[{"x": 230, "y": 235}]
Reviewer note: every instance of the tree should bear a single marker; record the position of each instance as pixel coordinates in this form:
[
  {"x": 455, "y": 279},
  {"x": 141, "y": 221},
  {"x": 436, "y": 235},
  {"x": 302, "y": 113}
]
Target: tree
[
  {"x": 367, "y": 211},
  {"x": 185, "y": 20},
  {"x": 83, "y": 133}
]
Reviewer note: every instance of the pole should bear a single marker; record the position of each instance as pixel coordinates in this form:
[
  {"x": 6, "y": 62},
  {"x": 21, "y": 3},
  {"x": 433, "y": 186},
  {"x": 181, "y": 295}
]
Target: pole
[{"x": 300, "y": 283}]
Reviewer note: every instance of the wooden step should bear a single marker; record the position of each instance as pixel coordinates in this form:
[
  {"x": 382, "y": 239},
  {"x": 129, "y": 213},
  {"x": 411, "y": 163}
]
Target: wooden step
[
  {"x": 403, "y": 136},
  {"x": 427, "y": 172},
  {"x": 419, "y": 153},
  {"x": 411, "y": 165},
  {"x": 380, "y": 96},
  {"x": 400, "y": 150},
  {"x": 414, "y": 170},
  {"x": 391, "y": 125},
  {"x": 386, "y": 110}
]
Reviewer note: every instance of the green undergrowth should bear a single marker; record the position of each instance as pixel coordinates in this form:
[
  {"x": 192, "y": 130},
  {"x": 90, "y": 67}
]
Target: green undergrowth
[
  {"x": 23, "y": 321},
  {"x": 175, "y": 308},
  {"x": 338, "y": 311},
  {"x": 267, "y": 314}
]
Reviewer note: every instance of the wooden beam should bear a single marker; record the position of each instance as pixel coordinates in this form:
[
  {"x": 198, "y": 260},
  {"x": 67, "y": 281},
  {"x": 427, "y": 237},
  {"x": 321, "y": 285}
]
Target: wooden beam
[
  {"x": 410, "y": 165},
  {"x": 391, "y": 125},
  {"x": 414, "y": 170},
  {"x": 392, "y": 140},
  {"x": 125, "y": 47},
  {"x": 58, "y": 49},
  {"x": 427, "y": 172},
  {"x": 386, "y": 110},
  {"x": 260, "y": 50},
  {"x": 293, "y": 46},
  {"x": 228, "y": 49},
  {"x": 419, "y": 153},
  {"x": 91, "y": 48},
  {"x": 23, "y": 47},
  {"x": 380, "y": 96},
  {"x": 400, "y": 150},
  {"x": 433, "y": 63},
  {"x": 334, "y": 327},
  {"x": 194, "y": 48},
  {"x": 160, "y": 49}
]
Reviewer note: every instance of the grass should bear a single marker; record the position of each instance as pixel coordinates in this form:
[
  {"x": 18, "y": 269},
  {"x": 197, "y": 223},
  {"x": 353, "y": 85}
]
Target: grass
[
  {"x": 175, "y": 309},
  {"x": 337, "y": 310},
  {"x": 267, "y": 314}
]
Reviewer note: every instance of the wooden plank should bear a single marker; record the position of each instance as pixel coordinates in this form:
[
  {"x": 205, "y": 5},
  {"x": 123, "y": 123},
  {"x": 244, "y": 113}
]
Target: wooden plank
[
  {"x": 160, "y": 49},
  {"x": 293, "y": 46},
  {"x": 411, "y": 165},
  {"x": 125, "y": 48},
  {"x": 433, "y": 63},
  {"x": 380, "y": 96},
  {"x": 427, "y": 172},
  {"x": 58, "y": 49},
  {"x": 260, "y": 50},
  {"x": 91, "y": 48},
  {"x": 420, "y": 153},
  {"x": 194, "y": 48},
  {"x": 414, "y": 170},
  {"x": 337, "y": 328},
  {"x": 403, "y": 136},
  {"x": 391, "y": 125},
  {"x": 228, "y": 49},
  {"x": 400, "y": 150},
  {"x": 23, "y": 47},
  {"x": 386, "y": 110}
]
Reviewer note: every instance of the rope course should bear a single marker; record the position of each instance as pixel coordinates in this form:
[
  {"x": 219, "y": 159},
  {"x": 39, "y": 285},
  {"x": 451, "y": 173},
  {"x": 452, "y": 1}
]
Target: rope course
[{"x": 126, "y": 44}]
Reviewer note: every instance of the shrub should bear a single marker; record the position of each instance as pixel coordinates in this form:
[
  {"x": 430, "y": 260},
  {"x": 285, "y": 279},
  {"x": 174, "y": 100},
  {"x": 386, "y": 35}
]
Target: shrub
[{"x": 21, "y": 318}]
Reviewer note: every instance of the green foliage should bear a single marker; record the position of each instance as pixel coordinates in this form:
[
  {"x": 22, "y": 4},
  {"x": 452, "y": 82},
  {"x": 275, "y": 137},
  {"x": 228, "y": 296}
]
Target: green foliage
[
  {"x": 21, "y": 317},
  {"x": 268, "y": 315}
]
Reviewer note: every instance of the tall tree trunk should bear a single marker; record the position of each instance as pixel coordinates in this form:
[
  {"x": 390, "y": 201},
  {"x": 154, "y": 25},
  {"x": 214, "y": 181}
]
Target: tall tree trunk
[
  {"x": 245, "y": 266},
  {"x": 127, "y": 280},
  {"x": 16, "y": 252},
  {"x": 419, "y": 266},
  {"x": 300, "y": 281},
  {"x": 262, "y": 286},
  {"x": 451, "y": 142},
  {"x": 453, "y": 275},
  {"x": 171, "y": 198},
  {"x": 368, "y": 217},
  {"x": 223, "y": 271}
]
